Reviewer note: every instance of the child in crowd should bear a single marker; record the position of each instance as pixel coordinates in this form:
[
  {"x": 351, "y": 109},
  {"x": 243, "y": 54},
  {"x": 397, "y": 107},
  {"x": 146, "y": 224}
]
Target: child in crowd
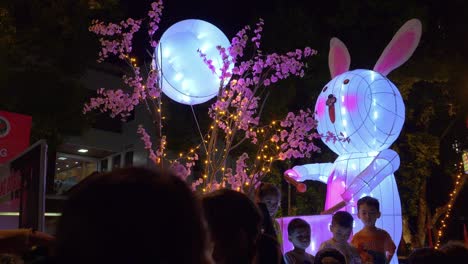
[
  {"x": 268, "y": 195},
  {"x": 374, "y": 244},
  {"x": 341, "y": 228},
  {"x": 234, "y": 223},
  {"x": 299, "y": 235}
]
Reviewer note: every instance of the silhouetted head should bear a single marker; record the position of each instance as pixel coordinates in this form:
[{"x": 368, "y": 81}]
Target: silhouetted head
[
  {"x": 234, "y": 223},
  {"x": 132, "y": 215}
]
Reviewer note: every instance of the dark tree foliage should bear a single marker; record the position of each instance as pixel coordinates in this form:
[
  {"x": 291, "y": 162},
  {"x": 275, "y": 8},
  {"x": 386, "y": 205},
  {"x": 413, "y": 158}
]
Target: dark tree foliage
[{"x": 45, "y": 51}]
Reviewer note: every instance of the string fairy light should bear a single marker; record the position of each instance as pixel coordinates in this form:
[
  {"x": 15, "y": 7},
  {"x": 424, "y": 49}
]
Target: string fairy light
[{"x": 453, "y": 195}]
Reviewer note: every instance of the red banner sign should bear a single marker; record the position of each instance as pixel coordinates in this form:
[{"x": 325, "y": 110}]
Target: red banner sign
[{"x": 15, "y": 130}]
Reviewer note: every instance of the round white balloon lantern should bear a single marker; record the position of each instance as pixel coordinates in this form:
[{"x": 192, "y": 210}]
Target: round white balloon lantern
[{"x": 185, "y": 77}]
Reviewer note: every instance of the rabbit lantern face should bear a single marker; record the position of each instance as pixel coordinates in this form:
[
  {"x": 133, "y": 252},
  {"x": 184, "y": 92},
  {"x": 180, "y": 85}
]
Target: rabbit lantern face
[{"x": 365, "y": 105}]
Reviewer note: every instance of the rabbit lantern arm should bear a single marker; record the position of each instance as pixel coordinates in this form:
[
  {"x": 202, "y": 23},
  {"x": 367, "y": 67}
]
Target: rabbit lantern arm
[
  {"x": 314, "y": 171},
  {"x": 383, "y": 165}
]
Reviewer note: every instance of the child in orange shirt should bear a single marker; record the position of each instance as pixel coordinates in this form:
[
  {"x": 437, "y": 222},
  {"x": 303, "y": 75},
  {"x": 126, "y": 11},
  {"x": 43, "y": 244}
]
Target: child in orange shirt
[{"x": 374, "y": 244}]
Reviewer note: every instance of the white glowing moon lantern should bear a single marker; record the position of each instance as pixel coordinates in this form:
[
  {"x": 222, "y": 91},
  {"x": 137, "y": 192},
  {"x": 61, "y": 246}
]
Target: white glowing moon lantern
[
  {"x": 185, "y": 77},
  {"x": 366, "y": 107}
]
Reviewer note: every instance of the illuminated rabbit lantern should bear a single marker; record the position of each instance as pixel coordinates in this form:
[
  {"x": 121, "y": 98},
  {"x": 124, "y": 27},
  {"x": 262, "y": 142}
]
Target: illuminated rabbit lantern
[{"x": 368, "y": 108}]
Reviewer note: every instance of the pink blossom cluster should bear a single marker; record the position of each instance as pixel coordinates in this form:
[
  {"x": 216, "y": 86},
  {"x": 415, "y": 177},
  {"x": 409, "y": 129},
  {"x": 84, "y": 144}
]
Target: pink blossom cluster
[
  {"x": 241, "y": 177},
  {"x": 152, "y": 88},
  {"x": 208, "y": 62},
  {"x": 227, "y": 62},
  {"x": 236, "y": 108},
  {"x": 196, "y": 183},
  {"x": 184, "y": 170},
  {"x": 209, "y": 186},
  {"x": 121, "y": 37},
  {"x": 296, "y": 138},
  {"x": 118, "y": 102},
  {"x": 145, "y": 137},
  {"x": 256, "y": 39},
  {"x": 214, "y": 185},
  {"x": 154, "y": 15},
  {"x": 238, "y": 44},
  {"x": 237, "y": 105},
  {"x": 179, "y": 170},
  {"x": 225, "y": 74}
]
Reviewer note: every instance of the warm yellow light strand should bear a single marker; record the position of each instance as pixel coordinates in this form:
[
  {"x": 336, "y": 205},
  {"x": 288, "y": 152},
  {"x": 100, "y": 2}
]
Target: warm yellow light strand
[{"x": 444, "y": 221}]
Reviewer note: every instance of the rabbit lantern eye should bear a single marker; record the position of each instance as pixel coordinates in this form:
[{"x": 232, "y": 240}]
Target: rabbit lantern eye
[
  {"x": 346, "y": 81},
  {"x": 324, "y": 88}
]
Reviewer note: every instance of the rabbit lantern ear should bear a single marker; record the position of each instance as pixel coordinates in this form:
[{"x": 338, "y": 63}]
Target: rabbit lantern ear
[
  {"x": 400, "y": 48},
  {"x": 338, "y": 58}
]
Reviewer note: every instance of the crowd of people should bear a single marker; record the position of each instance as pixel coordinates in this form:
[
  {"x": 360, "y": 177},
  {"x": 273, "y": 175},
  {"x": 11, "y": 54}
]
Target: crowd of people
[{"x": 139, "y": 215}]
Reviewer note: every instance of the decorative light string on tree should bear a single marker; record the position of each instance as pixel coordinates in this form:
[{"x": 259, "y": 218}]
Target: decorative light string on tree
[{"x": 453, "y": 195}]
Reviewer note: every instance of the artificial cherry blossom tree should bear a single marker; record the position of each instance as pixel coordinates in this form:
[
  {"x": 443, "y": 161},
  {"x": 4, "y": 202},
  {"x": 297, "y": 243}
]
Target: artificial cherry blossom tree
[{"x": 236, "y": 113}]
